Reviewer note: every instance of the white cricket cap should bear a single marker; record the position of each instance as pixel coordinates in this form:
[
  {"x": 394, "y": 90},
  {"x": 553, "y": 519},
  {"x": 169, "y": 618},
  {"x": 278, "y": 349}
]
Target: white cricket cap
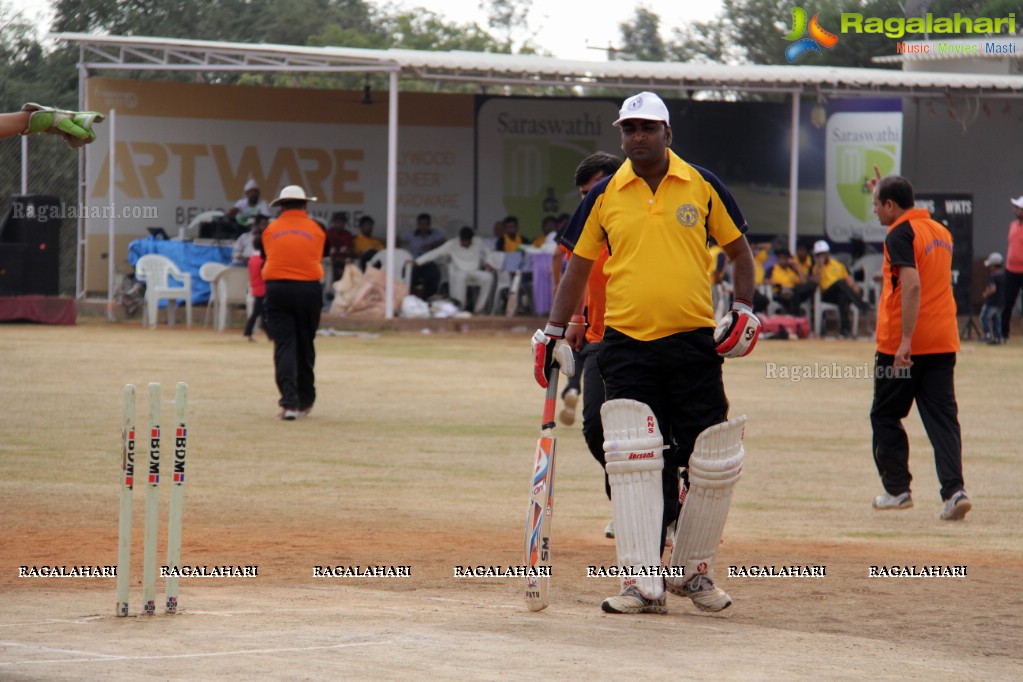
[
  {"x": 645, "y": 105},
  {"x": 821, "y": 246},
  {"x": 1017, "y": 202},
  {"x": 251, "y": 184},
  {"x": 994, "y": 259},
  {"x": 292, "y": 193}
]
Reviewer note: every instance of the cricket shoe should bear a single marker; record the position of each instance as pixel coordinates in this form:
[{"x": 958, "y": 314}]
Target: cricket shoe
[
  {"x": 956, "y": 506},
  {"x": 888, "y": 501},
  {"x": 289, "y": 415},
  {"x": 567, "y": 414},
  {"x": 701, "y": 589},
  {"x": 631, "y": 600}
]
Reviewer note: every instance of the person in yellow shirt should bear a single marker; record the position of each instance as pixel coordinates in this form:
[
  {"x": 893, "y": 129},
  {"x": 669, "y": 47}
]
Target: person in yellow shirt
[
  {"x": 511, "y": 240},
  {"x": 837, "y": 285},
  {"x": 803, "y": 259},
  {"x": 788, "y": 283},
  {"x": 662, "y": 350},
  {"x": 365, "y": 244}
]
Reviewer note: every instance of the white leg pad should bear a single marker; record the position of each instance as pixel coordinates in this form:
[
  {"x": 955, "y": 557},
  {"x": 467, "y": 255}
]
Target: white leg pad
[
  {"x": 714, "y": 469},
  {"x": 633, "y": 451}
]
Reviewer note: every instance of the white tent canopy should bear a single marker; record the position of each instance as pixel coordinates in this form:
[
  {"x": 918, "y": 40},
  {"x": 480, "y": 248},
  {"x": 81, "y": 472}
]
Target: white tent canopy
[{"x": 127, "y": 53}]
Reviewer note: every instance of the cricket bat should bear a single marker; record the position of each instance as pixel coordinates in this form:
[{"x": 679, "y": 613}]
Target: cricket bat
[
  {"x": 541, "y": 505},
  {"x": 513, "y": 294}
]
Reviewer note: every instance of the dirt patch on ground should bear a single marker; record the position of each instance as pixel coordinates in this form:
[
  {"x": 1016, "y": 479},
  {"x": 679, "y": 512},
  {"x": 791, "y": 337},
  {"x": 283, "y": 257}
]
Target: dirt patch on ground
[{"x": 417, "y": 455}]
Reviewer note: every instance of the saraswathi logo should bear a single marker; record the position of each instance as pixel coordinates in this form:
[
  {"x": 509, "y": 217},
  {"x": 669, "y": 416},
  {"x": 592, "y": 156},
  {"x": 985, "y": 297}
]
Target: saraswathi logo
[{"x": 819, "y": 37}]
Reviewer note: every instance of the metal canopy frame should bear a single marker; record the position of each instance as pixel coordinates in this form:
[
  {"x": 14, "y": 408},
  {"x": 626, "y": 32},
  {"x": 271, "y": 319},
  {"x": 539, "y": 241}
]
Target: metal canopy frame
[{"x": 134, "y": 53}]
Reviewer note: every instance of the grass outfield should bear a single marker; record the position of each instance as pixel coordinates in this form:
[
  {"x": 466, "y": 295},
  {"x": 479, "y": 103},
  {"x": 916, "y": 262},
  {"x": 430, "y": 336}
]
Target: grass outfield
[{"x": 418, "y": 453}]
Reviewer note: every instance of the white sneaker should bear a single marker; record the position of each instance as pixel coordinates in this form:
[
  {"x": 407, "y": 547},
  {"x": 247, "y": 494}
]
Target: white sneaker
[
  {"x": 886, "y": 501},
  {"x": 567, "y": 414},
  {"x": 289, "y": 415},
  {"x": 633, "y": 601},
  {"x": 609, "y": 532},
  {"x": 701, "y": 589},
  {"x": 956, "y": 506}
]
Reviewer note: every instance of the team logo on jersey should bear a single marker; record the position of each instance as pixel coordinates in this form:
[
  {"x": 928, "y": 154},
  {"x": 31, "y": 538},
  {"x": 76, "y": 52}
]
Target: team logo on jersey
[{"x": 687, "y": 215}]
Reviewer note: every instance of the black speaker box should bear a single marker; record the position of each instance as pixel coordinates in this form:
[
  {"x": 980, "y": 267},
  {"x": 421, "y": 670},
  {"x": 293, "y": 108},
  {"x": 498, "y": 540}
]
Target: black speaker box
[
  {"x": 12, "y": 271},
  {"x": 35, "y": 221}
]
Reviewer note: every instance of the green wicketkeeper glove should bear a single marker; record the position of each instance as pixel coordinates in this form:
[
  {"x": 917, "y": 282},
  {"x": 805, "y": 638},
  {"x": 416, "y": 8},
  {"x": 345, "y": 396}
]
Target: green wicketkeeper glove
[{"x": 74, "y": 126}]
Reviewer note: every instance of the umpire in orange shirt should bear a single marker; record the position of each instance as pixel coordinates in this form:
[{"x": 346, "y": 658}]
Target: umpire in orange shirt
[
  {"x": 294, "y": 246},
  {"x": 917, "y": 342}
]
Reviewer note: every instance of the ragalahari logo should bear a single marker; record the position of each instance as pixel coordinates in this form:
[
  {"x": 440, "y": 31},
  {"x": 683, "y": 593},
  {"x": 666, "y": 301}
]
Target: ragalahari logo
[{"x": 818, "y": 38}]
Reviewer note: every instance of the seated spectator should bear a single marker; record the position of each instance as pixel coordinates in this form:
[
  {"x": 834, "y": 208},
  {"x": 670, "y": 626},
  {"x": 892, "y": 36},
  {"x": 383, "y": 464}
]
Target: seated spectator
[
  {"x": 994, "y": 301},
  {"x": 246, "y": 209},
  {"x": 341, "y": 242},
  {"x": 468, "y": 266},
  {"x": 424, "y": 237},
  {"x": 548, "y": 231},
  {"x": 366, "y": 245},
  {"x": 788, "y": 283},
  {"x": 803, "y": 259},
  {"x": 510, "y": 240},
  {"x": 244, "y": 246},
  {"x": 836, "y": 285}
]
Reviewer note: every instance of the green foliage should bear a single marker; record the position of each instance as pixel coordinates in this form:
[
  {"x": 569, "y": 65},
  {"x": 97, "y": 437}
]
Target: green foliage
[{"x": 641, "y": 39}]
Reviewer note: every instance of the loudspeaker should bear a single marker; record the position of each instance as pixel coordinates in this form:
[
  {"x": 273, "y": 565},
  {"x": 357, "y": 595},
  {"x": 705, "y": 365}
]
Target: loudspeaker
[
  {"x": 35, "y": 221},
  {"x": 12, "y": 262}
]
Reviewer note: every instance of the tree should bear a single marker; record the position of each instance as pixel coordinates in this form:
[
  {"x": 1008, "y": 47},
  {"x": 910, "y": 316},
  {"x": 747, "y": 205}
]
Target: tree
[
  {"x": 510, "y": 20},
  {"x": 641, "y": 38}
]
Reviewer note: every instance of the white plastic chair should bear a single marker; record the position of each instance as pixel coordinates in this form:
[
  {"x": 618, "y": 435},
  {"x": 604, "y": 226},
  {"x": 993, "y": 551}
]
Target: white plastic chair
[
  {"x": 156, "y": 271},
  {"x": 504, "y": 280},
  {"x": 402, "y": 262},
  {"x": 820, "y": 307},
  {"x": 232, "y": 287},
  {"x": 871, "y": 265},
  {"x": 208, "y": 273}
]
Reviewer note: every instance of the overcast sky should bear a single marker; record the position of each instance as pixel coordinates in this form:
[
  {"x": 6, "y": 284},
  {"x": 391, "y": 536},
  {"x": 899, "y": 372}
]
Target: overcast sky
[{"x": 565, "y": 29}]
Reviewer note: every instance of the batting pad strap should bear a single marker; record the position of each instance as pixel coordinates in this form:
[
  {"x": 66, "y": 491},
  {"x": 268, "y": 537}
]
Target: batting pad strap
[{"x": 714, "y": 468}]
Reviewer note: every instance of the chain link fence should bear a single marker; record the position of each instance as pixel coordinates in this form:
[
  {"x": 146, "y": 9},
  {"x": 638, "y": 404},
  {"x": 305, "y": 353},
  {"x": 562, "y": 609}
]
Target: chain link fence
[{"x": 52, "y": 171}]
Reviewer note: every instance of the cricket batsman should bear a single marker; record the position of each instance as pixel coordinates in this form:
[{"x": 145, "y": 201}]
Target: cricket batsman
[{"x": 661, "y": 356}]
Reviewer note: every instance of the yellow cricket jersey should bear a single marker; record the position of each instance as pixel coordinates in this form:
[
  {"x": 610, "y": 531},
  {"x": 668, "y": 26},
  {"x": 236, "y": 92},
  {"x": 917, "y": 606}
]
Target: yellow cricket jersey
[
  {"x": 786, "y": 278},
  {"x": 832, "y": 272},
  {"x": 660, "y": 262}
]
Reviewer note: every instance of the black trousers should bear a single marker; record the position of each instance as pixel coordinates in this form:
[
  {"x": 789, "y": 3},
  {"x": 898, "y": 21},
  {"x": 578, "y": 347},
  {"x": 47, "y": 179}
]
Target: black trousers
[
  {"x": 257, "y": 313},
  {"x": 593, "y": 398},
  {"x": 679, "y": 377},
  {"x": 1013, "y": 285},
  {"x": 931, "y": 383},
  {"x": 292, "y": 318},
  {"x": 842, "y": 295}
]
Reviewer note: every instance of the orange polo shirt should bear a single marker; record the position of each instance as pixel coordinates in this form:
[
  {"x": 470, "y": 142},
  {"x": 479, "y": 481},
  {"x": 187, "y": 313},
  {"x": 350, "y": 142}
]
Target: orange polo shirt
[
  {"x": 294, "y": 245},
  {"x": 596, "y": 299},
  {"x": 916, "y": 241}
]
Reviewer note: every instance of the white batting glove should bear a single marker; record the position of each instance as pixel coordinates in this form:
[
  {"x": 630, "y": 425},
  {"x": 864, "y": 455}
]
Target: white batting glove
[
  {"x": 549, "y": 350},
  {"x": 737, "y": 331}
]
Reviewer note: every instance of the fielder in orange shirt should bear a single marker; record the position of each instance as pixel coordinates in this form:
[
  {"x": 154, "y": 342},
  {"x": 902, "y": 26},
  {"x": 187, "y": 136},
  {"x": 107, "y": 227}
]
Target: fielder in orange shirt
[
  {"x": 917, "y": 342},
  {"x": 585, "y": 331}
]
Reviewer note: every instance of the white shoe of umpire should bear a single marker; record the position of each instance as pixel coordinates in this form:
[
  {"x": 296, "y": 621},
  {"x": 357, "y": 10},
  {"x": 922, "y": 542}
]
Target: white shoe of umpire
[
  {"x": 631, "y": 601},
  {"x": 567, "y": 414},
  {"x": 887, "y": 501},
  {"x": 609, "y": 532},
  {"x": 705, "y": 595},
  {"x": 956, "y": 506}
]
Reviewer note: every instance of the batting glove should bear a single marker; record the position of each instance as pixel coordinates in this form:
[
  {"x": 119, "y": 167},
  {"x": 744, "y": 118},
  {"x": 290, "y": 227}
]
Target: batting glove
[
  {"x": 74, "y": 126},
  {"x": 737, "y": 332},
  {"x": 550, "y": 351}
]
